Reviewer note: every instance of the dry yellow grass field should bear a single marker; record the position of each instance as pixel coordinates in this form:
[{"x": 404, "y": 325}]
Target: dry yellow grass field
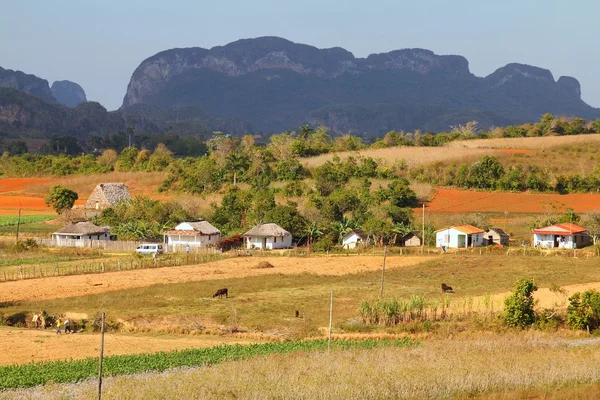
[
  {"x": 460, "y": 151},
  {"x": 463, "y": 367},
  {"x": 19, "y": 346}
]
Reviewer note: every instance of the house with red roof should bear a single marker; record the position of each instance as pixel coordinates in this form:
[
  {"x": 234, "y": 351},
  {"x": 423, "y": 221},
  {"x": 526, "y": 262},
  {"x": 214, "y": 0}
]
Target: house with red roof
[
  {"x": 460, "y": 236},
  {"x": 562, "y": 236}
]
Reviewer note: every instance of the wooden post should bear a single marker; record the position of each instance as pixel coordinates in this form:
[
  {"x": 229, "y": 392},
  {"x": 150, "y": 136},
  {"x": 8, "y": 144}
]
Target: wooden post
[
  {"x": 101, "y": 359},
  {"x": 102, "y": 264},
  {"x": 383, "y": 270},
  {"x": 18, "y": 225},
  {"x": 330, "y": 320}
]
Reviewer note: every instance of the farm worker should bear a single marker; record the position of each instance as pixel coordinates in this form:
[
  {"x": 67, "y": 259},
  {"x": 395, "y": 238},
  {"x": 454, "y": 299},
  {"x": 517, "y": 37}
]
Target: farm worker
[
  {"x": 67, "y": 326},
  {"x": 187, "y": 249},
  {"x": 58, "y": 323},
  {"x": 36, "y": 320}
]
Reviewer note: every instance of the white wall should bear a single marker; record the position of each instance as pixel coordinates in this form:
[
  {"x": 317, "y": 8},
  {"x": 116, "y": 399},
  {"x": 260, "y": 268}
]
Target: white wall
[
  {"x": 451, "y": 238},
  {"x": 199, "y": 240},
  {"x": 77, "y": 240},
  {"x": 271, "y": 242},
  {"x": 351, "y": 241},
  {"x": 547, "y": 241}
]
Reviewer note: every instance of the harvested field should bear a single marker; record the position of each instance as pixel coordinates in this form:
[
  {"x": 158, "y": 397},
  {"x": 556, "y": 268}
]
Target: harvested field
[
  {"x": 82, "y": 285},
  {"x": 464, "y": 201},
  {"x": 534, "y": 143},
  {"x": 20, "y": 346},
  {"x": 413, "y": 156}
]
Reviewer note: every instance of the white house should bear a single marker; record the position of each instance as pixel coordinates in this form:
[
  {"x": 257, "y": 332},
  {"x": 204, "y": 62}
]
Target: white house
[
  {"x": 563, "y": 236},
  {"x": 460, "y": 236},
  {"x": 268, "y": 236},
  {"x": 193, "y": 234},
  {"x": 354, "y": 239},
  {"x": 80, "y": 234}
]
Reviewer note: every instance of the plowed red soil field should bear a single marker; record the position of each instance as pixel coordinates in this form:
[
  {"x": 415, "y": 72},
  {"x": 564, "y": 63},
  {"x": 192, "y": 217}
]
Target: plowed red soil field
[
  {"x": 460, "y": 201},
  {"x": 18, "y": 184}
]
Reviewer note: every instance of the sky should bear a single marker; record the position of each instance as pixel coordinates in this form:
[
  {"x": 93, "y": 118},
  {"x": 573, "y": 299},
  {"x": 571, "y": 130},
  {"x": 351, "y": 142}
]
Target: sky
[{"x": 98, "y": 44}]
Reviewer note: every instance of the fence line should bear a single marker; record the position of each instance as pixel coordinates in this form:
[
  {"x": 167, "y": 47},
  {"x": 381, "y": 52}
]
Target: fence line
[{"x": 116, "y": 245}]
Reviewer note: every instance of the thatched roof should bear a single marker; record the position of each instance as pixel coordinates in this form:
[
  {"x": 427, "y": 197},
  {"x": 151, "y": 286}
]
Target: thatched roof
[
  {"x": 108, "y": 195},
  {"x": 267, "y": 230},
  {"x": 82, "y": 228},
  {"x": 199, "y": 228}
]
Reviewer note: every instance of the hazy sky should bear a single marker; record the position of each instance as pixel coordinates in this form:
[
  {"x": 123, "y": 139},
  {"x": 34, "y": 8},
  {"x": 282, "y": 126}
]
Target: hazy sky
[{"x": 98, "y": 44}]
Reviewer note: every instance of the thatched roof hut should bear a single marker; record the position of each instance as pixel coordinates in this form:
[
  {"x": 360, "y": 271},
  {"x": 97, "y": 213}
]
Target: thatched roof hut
[
  {"x": 107, "y": 195},
  {"x": 267, "y": 230}
]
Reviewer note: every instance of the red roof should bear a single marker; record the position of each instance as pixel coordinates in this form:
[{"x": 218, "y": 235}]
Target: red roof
[{"x": 566, "y": 228}]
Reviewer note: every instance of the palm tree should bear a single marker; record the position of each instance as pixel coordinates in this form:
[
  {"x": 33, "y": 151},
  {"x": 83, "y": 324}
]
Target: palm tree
[
  {"x": 402, "y": 229},
  {"x": 311, "y": 232},
  {"x": 305, "y": 132},
  {"x": 342, "y": 227}
]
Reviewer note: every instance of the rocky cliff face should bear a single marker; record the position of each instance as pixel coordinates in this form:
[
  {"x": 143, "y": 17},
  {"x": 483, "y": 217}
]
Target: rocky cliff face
[
  {"x": 274, "y": 85},
  {"x": 26, "y": 83},
  {"x": 68, "y": 93}
]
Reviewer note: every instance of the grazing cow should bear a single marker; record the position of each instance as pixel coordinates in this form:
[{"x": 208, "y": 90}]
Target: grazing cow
[
  {"x": 297, "y": 314},
  {"x": 447, "y": 289},
  {"x": 220, "y": 293}
]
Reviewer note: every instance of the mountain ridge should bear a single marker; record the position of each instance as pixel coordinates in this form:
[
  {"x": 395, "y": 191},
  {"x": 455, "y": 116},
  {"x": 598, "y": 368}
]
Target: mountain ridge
[{"x": 275, "y": 84}]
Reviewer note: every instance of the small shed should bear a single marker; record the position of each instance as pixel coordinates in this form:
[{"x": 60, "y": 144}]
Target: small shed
[
  {"x": 355, "y": 238},
  {"x": 563, "y": 236},
  {"x": 460, "y": 236},
  {"x": 268, "y": 236},
  {"x": 194, "y": 234},
  {"x": 107, "y": 195},
  {"x": 80, "y": 234},
  {"x": 496, "y": 236},
  {"x": 411, "y": 239}
]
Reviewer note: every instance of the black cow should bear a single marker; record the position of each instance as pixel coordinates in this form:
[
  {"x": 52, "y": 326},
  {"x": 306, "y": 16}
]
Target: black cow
[
  {"x": 220, "y": 293},
  {"x": 447, "y": 289}
]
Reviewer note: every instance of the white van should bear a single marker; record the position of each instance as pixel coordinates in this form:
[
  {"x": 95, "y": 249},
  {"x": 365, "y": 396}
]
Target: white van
[{"x": 149, "y": 248}]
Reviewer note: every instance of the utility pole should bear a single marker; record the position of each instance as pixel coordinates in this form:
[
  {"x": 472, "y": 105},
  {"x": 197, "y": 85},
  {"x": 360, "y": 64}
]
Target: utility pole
[
  {"x": 18, "y": 225},
  {"x": 330, "y": 321},
  {"x": 423, "y": 238},
  {"x": 101, "y": 359},
  {"x": 383, "y": 270}
]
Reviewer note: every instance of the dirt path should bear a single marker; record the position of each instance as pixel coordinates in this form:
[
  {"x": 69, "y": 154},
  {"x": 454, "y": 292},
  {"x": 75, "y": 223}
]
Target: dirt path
[
  {"x": 19, "y": 346},
  {"x": 81, "y": 285}
]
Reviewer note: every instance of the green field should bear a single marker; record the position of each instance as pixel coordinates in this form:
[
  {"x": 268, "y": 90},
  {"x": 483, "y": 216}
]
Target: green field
[{"x": 30, "y": 224}]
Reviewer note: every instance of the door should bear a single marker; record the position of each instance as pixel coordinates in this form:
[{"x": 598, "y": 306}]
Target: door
[
  {"x": 264, "y": 243},
  {"x": 462, "y": 241}
]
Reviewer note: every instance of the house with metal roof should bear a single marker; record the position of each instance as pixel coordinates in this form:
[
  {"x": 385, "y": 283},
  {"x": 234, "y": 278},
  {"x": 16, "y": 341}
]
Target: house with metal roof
[
  {"x": 79, "y": 234},
  {"x": 194, "y": 234},
  {"x": 562, "y": 236},
  {"x": 459, "y": 236},
  {"x": 268, "y": 236}
]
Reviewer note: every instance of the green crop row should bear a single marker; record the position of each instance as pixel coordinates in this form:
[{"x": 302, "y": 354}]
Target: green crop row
[
  {"x": 28, "y": 375},
  {"x": 11, "y": 220}
]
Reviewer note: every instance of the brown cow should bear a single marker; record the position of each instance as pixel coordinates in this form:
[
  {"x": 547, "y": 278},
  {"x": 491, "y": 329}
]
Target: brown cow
[
  {"x": 447, "y": 289},
  {"x": 220, "y": 293}
]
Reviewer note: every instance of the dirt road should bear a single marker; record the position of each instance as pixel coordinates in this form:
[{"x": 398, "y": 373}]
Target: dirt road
[{"x": 81, "y": 285}]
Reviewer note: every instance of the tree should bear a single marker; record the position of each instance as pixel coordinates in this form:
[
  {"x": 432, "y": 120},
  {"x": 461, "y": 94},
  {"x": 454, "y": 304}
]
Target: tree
[
  {"x": 312, "y": 232},
  {"x": 288, "y": 217},
  {"x": 592, "y": 223},
  {"x": 584, "y": 310},
  {"x": 61, "y": 198},
  {"x": 485, "y": 173},
  {"x": 109, "y": 158},
  {"x": 518, "y": 307}
]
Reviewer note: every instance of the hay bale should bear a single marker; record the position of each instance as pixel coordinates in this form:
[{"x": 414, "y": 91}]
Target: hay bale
[{"x": 263, "y": 265}]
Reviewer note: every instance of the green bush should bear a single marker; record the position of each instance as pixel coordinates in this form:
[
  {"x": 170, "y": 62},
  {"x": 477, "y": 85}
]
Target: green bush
[
  {"x": 584, "y": 310},
  {"x": 518, "y": 307}
]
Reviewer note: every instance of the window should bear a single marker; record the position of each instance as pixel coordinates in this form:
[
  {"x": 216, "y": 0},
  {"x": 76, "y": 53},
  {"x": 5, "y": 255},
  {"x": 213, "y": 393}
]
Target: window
[{"x": 275, "y": 239}]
